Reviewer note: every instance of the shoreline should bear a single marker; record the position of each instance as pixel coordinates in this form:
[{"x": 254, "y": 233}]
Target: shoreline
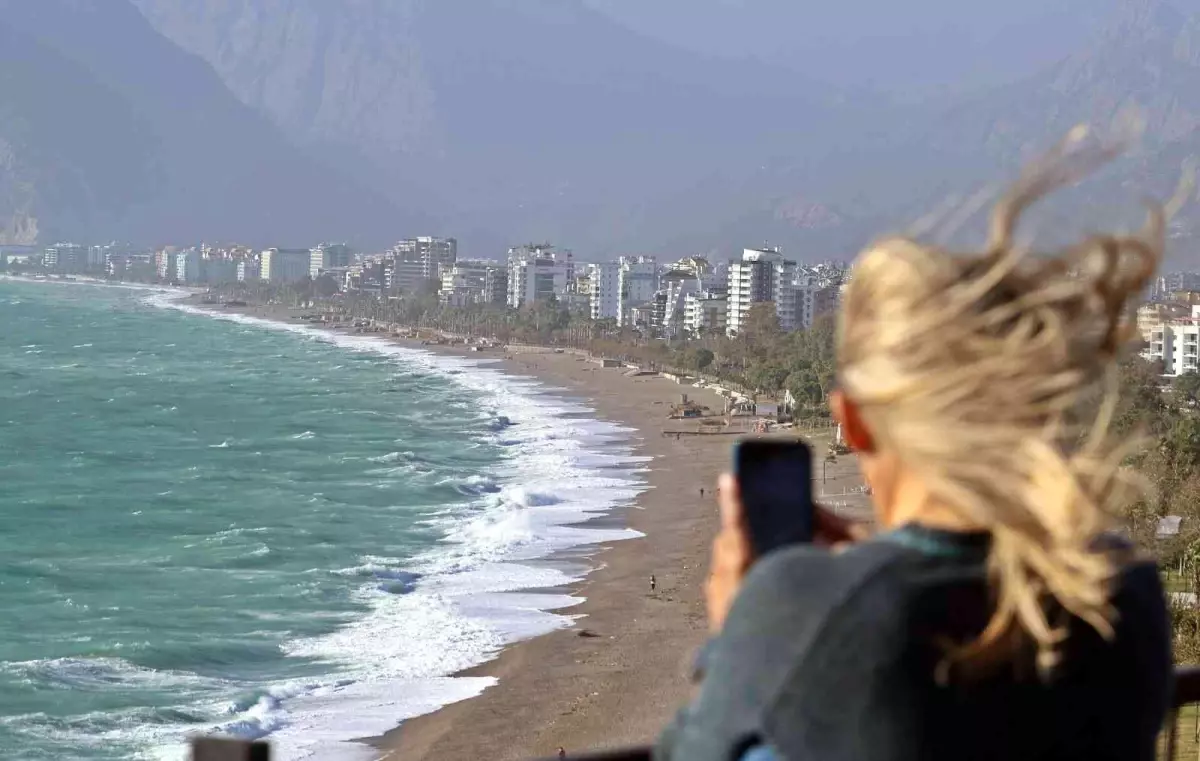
[
  {"x": 615, "y": 668},
  {"x": 617, "y": 674}
]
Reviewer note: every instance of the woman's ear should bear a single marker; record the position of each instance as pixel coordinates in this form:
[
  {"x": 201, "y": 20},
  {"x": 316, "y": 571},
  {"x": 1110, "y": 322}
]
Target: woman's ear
[{"x": 854, "y": 433}]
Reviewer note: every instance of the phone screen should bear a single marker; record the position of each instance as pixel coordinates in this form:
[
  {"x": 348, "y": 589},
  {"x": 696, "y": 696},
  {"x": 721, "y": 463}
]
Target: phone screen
[{"x": 775, "y": 479}]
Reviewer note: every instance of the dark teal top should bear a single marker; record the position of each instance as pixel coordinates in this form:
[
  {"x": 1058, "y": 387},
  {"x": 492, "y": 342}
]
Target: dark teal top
[{"x": 832, "y": 657}]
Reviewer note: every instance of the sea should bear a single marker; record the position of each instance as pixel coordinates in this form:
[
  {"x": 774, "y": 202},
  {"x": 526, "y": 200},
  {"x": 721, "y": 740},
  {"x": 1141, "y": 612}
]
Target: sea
[{"x": 223, "y": 525}]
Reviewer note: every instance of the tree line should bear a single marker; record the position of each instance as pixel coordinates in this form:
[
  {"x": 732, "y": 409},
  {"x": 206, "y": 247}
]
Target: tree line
[{"x": 761, "y": 360}]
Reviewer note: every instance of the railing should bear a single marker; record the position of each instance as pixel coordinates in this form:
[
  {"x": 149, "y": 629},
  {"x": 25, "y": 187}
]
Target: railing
[
  {"x": 241, "y": 750},
  {"x": 1180, "y": 737}
]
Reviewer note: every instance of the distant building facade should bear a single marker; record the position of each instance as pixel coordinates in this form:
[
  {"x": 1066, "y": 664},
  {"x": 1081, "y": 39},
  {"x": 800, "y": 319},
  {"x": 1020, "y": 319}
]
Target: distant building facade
[
  {"x": 164, "y": 264},
  {"x": 705, "y": 313},
  {"x": 417, "y": 261},
  {"x": 66, "y": 258},
  {"x": 604, "y": 291},
  {"x": 189, "y": 267},
  {"x": 637, "y": 286},
  {"x": 761, "y": 276},
  {"x": 329, "y": 256},
  {"x": 1175, "y": 342},
  {"x": 471, "y": 282},
  {"x": 285, "y": 265},
  {"x": 537, "y": 274},
  {"x": 248, "y": 270}
]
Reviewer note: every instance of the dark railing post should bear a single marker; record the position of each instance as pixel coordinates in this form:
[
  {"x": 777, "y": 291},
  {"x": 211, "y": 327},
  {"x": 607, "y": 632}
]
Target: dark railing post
[{"x": 214, "y": 749}]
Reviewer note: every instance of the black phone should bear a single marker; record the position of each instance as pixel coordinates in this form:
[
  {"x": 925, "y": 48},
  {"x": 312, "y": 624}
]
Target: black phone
[{"x": 775, "y": 480}]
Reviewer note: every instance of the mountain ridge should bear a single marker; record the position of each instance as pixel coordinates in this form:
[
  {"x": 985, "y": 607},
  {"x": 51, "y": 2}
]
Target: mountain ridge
[
  {"x": 542, "y": 119},
  {"x": 209, "y": 166}
]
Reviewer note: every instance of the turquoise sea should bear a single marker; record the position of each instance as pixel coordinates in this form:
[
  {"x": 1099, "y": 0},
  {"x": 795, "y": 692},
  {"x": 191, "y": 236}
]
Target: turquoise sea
[{"x": 215, "y": 525}]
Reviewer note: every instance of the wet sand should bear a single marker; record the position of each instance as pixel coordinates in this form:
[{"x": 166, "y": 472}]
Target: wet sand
[{"x": 617, "y": 676}]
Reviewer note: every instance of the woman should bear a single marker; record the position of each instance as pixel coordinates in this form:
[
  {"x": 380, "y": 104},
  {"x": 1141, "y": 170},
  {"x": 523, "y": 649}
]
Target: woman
[{"x": 993, "y": 616}]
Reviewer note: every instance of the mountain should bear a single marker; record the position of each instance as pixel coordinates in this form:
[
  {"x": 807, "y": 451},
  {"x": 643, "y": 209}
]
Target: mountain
[
  {"x": 513, "y": 119},
  {"x": 903, "y": 49},
  {"x": 110, "y": 131},
  {"x": 917, "y": 158},
  {"x": 1145, "y": 60}
]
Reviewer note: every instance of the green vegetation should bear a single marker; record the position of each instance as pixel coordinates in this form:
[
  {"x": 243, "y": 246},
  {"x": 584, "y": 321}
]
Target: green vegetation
[
  {"x": 762, "y": 361},
  {"x": 1168, "y": 421}
]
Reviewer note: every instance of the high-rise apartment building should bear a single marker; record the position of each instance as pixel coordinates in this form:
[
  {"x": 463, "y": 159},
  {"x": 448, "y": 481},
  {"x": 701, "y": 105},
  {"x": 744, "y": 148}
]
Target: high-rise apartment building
[
  {"x": 537, "y": 274},
  {"x": 705, "y": 312},
  {"x": 764, "y": 276},
  {"x": 495, "y": 286},
  {"x": 164, "y": 264},
  {"x": 66, "y": 257},
  {"x": 249, "y": 271},
  {"x": 285, "y": 265},
  {"x": 1175, "y": 342},
  {"x": 189, "y": 267},
  {"x": 638, "y": 283},
  {"x": 416, "y": 261},
  {"x": 329, "y": 256},
  {"x": 474, "y": 282},
  {"x": 604, "y": 290}
]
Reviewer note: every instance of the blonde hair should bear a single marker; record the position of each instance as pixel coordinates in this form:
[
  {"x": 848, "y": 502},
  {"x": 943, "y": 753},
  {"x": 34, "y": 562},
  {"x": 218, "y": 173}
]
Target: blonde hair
[{"x": 971, "y": 368}]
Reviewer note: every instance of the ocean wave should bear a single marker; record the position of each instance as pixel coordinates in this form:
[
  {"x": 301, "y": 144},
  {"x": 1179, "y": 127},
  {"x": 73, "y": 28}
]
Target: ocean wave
[
  {"x": 391, "y": 457},
  {"x": 457, "y": 603},
  {"x": 102, "y": 674},
  {"x": 473, "y": 485}
]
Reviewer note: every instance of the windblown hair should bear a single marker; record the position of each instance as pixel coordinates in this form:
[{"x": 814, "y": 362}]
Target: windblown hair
[{"x": 972, "y": 367}]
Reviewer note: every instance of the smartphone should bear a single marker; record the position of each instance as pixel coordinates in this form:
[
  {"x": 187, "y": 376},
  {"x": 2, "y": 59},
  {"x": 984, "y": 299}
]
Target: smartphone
[{"x": 775, "y": 480}]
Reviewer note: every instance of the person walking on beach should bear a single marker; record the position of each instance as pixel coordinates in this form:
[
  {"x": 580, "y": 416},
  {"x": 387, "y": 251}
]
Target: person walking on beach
[
  {"x": 701, "y": 492},
  {"x": 653, "y": 583},
  {"x": 562, "y": 752}
]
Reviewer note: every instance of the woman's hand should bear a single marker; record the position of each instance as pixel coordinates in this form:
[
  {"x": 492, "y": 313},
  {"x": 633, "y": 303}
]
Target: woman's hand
[{"x": 733, "y": 554}]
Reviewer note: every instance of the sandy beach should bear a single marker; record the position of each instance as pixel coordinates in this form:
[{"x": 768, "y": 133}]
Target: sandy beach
[{"x": 619, "y": 674}]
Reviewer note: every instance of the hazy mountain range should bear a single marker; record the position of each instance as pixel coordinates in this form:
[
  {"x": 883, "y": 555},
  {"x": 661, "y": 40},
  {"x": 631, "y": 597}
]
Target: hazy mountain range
[{"x": 606, "y": 125}]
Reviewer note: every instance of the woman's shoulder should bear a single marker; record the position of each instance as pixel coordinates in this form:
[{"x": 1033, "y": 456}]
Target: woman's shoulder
[
  {"x": 794, "y": 590},
  {"x": 806, "y": 570}
]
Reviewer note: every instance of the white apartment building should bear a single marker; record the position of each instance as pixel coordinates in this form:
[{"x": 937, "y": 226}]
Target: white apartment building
[
  {"x": 675, "y": 287},
  {"x": 637, "y": 285},
  {"x": 98, "y": 256},
  {"x": 418, "y": 260},
  {"x": 285, "y": 265},
  {"x": 705, "y": 312},
  {"x": 804, "y": 295},
  {"x": 189, "y": 267},
  {"x": 469, "y": 282},
  {"x": 604, "y": 290},
  {"x": 66, "y": 257},
  {"x": 1175, "y": 343},
  {"x": 762, "y": 276},
  {"x": 536, "y": 274},
  {"x": 329, "y": 256},
  {"x": 248, "y": 271},
  {"x": 164, "y": 264}
]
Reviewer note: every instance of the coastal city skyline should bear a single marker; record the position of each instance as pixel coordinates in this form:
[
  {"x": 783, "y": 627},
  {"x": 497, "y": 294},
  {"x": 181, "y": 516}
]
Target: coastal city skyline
[{"x": 689, "y": 296}]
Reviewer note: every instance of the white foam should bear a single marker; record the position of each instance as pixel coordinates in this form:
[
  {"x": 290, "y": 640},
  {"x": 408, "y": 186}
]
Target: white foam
[{"x": 458, "y": 603}]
